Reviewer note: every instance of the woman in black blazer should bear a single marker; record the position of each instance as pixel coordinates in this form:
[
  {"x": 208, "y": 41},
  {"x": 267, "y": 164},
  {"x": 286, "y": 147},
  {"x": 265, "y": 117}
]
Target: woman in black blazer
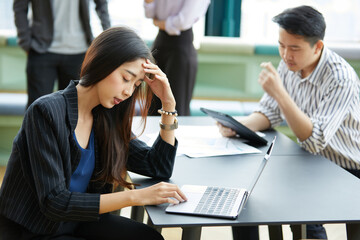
[{"x": 75, "y": 144}]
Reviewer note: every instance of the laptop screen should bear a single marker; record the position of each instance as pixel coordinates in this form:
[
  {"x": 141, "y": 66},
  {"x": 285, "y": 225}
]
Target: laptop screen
[{"x": 262, "y": 166}]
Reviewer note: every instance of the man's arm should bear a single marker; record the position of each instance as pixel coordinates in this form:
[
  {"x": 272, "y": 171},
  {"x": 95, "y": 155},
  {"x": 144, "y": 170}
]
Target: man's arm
[
  {"x": 189, "y": 14},
  {"x": 149, "y": 8},
  {"x": 103, "y": 13},
  {"x": 20, "y": 8},
  {"x": 255, "y": 121},
  {"x": 297, "y": 120}
]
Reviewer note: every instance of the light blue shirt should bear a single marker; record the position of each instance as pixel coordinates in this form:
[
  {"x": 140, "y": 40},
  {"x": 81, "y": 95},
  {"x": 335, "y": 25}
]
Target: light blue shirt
[{"x": 180, "y": 15}]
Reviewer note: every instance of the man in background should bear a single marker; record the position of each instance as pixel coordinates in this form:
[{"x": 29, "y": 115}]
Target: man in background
[
  {"x": 315, "y": 90},
  {"x": 173, "y": 47},
  {"x": 55, "y": 39}
]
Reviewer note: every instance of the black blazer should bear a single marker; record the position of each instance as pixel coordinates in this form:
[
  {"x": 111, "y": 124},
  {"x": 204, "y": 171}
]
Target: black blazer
[
  {"x": 39, "y": 34},
  {"x": 35, "y": 191}
]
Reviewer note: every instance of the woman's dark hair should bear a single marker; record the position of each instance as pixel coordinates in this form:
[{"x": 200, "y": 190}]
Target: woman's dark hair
[
  {"x": 112, "y": 48},
  {"x": 304, "y": 21}
]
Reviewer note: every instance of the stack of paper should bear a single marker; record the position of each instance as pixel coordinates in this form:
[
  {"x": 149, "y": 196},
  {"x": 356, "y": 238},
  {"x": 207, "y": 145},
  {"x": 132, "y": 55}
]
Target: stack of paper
[{"x": 206, "y": 141}]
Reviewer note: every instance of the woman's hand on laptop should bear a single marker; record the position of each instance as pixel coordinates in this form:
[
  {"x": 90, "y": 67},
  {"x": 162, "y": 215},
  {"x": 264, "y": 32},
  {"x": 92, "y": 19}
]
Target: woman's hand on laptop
[
  {"x": 158, "y": 194},
  {"x": 225, "y": 131}
]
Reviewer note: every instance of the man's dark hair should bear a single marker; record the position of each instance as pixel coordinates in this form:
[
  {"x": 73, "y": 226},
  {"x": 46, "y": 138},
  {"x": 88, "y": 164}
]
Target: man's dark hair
[{"x": 304, "y": 21}]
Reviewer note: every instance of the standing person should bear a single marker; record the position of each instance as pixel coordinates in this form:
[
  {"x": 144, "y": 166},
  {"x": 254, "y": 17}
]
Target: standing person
[
  {"x": 55, "y": 40},
  {"x": 315, "y": 90},
  {"x": 75, "y": 144},
  {"x": 173, "y": 47}
]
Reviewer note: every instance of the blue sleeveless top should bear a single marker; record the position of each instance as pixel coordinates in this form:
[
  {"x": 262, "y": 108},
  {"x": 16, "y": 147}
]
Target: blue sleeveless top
[{"x": 82, "y": 175}]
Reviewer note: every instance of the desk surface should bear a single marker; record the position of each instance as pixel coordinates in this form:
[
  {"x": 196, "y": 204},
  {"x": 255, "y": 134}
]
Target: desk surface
[
  {"x": 288, "y": 147},
  {"x": 295, "y": 187}
]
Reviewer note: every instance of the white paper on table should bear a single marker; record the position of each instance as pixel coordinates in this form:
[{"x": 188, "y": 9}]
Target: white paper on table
[{"x": 206, "y": 141}]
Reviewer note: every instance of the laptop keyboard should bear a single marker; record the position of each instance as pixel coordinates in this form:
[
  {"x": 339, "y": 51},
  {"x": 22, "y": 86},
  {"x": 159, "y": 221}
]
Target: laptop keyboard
[{"x": 217, "y": 201}]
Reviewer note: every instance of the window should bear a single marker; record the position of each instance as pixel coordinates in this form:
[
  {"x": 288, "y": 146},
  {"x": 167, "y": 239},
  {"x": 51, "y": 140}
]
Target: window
[
  {"x": 128, "y": 13},
  {"x": 131, "y": 14},
  {"x": 7, "y": 25},
  {"x": 223, "y": 18},
  {"x": 256, "y": 25},
  {"x": 341, "y": 17}
]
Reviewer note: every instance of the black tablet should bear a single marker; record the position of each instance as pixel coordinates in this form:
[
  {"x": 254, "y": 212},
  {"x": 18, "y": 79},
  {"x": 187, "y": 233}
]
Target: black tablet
[{"x": 241, "y": 130}]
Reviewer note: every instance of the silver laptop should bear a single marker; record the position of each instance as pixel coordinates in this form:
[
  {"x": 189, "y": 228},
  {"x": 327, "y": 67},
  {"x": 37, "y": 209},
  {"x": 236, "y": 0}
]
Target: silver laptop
[{"x": 219, "y": 202}]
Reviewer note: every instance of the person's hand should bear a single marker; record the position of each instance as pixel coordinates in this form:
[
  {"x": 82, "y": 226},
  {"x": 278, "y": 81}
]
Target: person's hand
[
  {"x": 160, "y": 193},
  {"x": 225, "y": 131},
  {"x": 269, "y": 80},
  {"x": 159, "y": 23},
  {"x": 159, "y": 84}
]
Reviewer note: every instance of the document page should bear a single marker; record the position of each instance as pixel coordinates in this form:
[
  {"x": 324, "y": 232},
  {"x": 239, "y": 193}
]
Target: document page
[{"x": 206, "y": 141}]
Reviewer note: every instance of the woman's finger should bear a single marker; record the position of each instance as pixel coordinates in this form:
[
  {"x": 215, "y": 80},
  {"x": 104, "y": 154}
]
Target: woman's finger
[
  {"x": 182, "y": 195},
  {"x": 171, "y": 201},
  {"x": 154, "y": 71},
  {"x": 174, "y": 195},
  {"x": 172, "y": 190},
  {"x": 161, "y": 78},
  {"x": 151, "y": 65},
  {"x": 179, "y": 195}
]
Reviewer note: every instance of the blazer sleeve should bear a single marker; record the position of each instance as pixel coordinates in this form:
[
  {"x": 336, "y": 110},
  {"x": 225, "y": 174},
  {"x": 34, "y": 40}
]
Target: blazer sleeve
[
  {"x": 103, "y": 13},
  {"x": 156, "y": 161},
  {"x": 21, "y": 8},
  {"x": 46, "y": 142}
]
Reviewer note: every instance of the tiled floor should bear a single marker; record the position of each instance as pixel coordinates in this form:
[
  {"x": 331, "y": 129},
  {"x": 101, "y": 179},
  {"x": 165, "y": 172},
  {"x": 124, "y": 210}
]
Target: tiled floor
[{"x": 334, "y": 231}]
